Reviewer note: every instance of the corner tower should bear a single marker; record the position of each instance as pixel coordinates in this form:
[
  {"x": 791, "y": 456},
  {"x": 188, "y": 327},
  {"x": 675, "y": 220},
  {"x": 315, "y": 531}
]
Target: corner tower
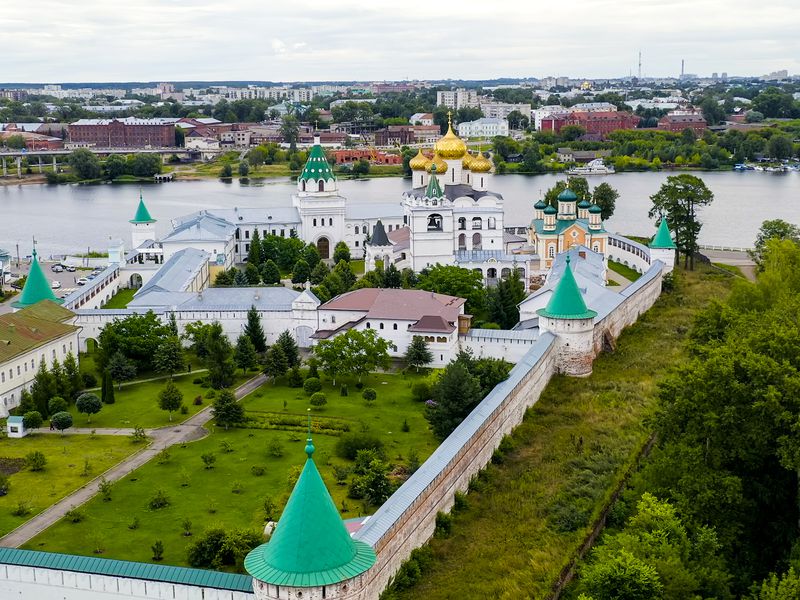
[
  {"x": 310, "y": 554},
  {"x": 662, "y": 247},
  {"x": 143, "y": 226},
  {"x": 36, "y": 287}
]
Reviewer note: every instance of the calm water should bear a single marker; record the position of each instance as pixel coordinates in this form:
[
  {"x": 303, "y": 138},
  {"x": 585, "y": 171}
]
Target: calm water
[{"x": 71, "y": 218}]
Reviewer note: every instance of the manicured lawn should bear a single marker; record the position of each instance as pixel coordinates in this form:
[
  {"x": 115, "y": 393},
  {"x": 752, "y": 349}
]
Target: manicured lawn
[
  {"x": 66, "y": 459},
  {"x": 527, "y": 516},
  {"x": 626, "y": 272},
  {"x": 121, "y": 298},
  {"x": 137, "y": 405},
  {"x": 357, "y": 266},
  {"x": 209, "y": 500}
]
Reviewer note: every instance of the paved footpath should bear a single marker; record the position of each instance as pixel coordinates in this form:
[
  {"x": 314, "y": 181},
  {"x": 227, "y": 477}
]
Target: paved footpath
[{"x": 190, "y": 430}]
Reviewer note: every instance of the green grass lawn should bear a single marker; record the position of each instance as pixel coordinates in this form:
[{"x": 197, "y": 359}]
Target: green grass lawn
[
  {"x": 66, "y": 459},
  {"x": 209, "y": 500},
  {"x": 626, "y": 272},
  {"x": 137, "y": 405},
  {"x": 733, "y": 270},
  {"x": 121, "y": 298},
  {"x": 527, "y": 516}
]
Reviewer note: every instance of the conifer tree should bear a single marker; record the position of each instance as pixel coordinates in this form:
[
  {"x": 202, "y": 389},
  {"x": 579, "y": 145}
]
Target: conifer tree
[
  {"x": 219, "y": 357},
  {"x": 310, "y": 254},
  {"x": 254, "y": 254},
  {"x": 240, "y": 279},
  {"x": 270, "y": 273},
  {"x": 418, "y": 354},
  {"x": 454, "y": 396},
  {"x": 319, "y": 273},
  {"x": 275, "y": 363},
  {"x": 107, "y": 390},
  {"x": 245, "y": 355},
  {"x": 341, "y": 253},
  {"x": 42, "y": 389},
  {"x": 252, "y": 274},
  {"x": 73, "y": 374},
  {"x": 289, "y": 347},
  {"x": 300, "y": 272},
  {"x": 392, "y": 277},
  {"x": 173, "y": 324},
  {"x": 227, "y": 410},
  {"x": 255, "y": 331},
  {"x": 345, "y": 273}
]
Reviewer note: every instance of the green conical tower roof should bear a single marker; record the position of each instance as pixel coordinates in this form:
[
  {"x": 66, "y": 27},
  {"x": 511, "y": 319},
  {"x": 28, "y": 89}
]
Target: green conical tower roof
[
  {"x": 142, "y": 214},
  {"x": 310, "y": 546},
  {"x": 566, "y": 301},
  {"x": 434, "y": 190},
  {"x": 36, "y": 287},
  {"x": 317, "y": 166},
  {"x": 663, "y": 239}
]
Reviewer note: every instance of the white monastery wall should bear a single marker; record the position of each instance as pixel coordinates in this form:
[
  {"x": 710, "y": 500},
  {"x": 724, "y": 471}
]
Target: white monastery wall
[{"x": 629, "y": 253}]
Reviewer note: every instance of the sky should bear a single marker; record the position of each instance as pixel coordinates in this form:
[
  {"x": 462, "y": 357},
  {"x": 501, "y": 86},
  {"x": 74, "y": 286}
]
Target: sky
[{"x": 302, "y": 40}]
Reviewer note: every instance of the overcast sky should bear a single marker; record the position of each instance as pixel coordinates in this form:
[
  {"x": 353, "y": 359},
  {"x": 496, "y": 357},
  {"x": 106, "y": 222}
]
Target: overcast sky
[{"x": 302, "y": 40}]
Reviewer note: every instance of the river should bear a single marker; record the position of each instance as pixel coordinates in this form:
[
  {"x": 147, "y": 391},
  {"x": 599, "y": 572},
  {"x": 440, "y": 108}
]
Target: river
[{"x": 70, "y": 218}]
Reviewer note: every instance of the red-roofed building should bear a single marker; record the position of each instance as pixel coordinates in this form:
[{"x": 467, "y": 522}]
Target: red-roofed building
[
  {"x": 398, "y": 315},
  {"x": 683, "y": 120},
  {"x": 596, "y": 123},
  {"x": 373, "y": 156}
]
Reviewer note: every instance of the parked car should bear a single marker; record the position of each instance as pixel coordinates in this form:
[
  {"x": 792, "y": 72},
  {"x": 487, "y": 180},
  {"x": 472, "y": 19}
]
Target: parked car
[
  {"x": 70, "y": 268},
  {"x": 82, "y": 281},
  {"x": 55, "y": 285},
  {"x": 57, "y": 268}
]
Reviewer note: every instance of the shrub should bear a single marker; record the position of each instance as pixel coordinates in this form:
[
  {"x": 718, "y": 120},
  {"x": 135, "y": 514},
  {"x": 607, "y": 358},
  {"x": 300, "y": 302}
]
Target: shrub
[
  {"x": 237, "y": 488},
  {"x": 341, "y": 473},
  {"x": 349, "y": 444},
  {"x": 134, "y": 524},
  {"x": 295, "y": 377},
  {"x": 405, "y": 427},
  {"x": 226, "y": 447},
  {"x": 257, "y": 470},
  {"x": 74, "y": 516},
  {"x": 184, "y": 410},
  {"x": 421, "y": 391},
  {"x": 359, "y": 385},
  {"x": 89, "y": 380},
  {"x": 158, "y": 550},
  {"x": 22, "y": 509},
  {"x": 312, "y": 385},
  {"x": 198, "y": 400},
  {"x": 197, "y": 380},
  {"x": 369, "y": 394},
  {"x": 318, "y": 400},
  {"x": 275, "y": 448},
  {"x": 187, "y": 527},
  {"x": 209, "y": 458},
  {"x": 444, "y": 525},
  {"x": 105, "y": 489},
  {"x": 218, "y": 547},
  {"x": 459, "y": 502},
  {"x": 211, "y": 394},
  {"x": 163, "y": 457},
  {"x": 159, "y": 500},
  {"x": 35, "y": 461},
  {"x": 343, "y": 390},
  {"x": 5, "y": 484}
]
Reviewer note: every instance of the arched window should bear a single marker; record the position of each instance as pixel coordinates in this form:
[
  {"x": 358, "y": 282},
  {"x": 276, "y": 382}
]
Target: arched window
[
  {"x": 491, "y": 223},
  {"x": 435, "y": 222},
  {"x": 321, "y": 186},
  {"x": 477, "y": 223},
  {"x": 330, "y": 222},
  {"x": 303, "y": 185},
  {"x": 462, "y": 241},
  {"x": 462, "y": 222},
  {"x": 453, "y": 176},
  {"x": 357, "y": 231},
  {"x": 596, "y": 247},
  {"x": 481, "y": 181},
  {"x": 381, "y": 326},
  {"x": 394, "y": 326},
  {"x": 315, "y": 222},
  {"x": 551, "y": 251},
  {"x": 505, "y": 272},
  {"x": 491, "y": 273},
  {"x": 476, "y": 241},
  {"x": 368, "y": 325}
]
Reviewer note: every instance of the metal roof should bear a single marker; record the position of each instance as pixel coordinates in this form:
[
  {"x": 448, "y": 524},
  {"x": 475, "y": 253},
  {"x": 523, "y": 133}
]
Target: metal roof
[
  {"x": 408, "y": 493},
  {"x": 219, "y": 299},
  {"x": 567, "y": 301},
  {"x": 127, "y": 569},
  {"x": 178, "y": 272},
  {"x": 504, "y": 334},
  {"x": 354, "y": 212},
  {"x": 25, "y": 330},
  {"x": 36, "y": 287},
  {"x": 279, "y": 215},
  {"x": 201, "y": 227}
]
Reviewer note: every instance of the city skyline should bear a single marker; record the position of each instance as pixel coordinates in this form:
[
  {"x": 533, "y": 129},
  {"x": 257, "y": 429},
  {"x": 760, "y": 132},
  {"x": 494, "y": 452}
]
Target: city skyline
[{"x": 244, "y": 40}]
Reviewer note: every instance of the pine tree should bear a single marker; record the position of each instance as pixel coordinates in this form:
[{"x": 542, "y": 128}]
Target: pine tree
[
  {"x": 73, "y": 374},
  {"x": 454, "y": 396},
  {"x": 62, "y": 386},
  {"x": 107, "y": 393},
  {"x": 254, "y": 254},
  {"x": 245, "y": 355},
  {"x": 289, "y": 347},
  {"x": 219, "y": 357},
  {"x": 173, "y": 324},
  {"x": 227, "y": 410},
  {"x": 319, "y": 273},
  {"x": 270, "y": 273},
  {"x": 392, "y": 277},
  {"x": 341, "y": 253},
  {"x": 300, "y": 272},
  {"x": 275, "y": 363},
  {"x": 240, "y": 279},
  {"x": 418, "y": 354},
  {"x": 345, "y": 273},
  {"x": 42, "y": 389},
  {"x": 170, "y": 398},
  {"x": 504, "y": 300},
  {"x": 310, "y": 254},
  {"x": 255, "y": 331},
  {"x": 252, "y": 273}
]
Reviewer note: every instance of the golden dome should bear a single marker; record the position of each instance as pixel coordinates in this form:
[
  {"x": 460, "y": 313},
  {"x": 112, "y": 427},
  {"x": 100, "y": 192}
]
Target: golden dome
[
  {"x": 450, "y": 146},
  {"x": 467, "y": 162},
  {"x": 480, "y": 164},
  {"x": 419, "y": 162},
  {"x": 441, "y": 166}
]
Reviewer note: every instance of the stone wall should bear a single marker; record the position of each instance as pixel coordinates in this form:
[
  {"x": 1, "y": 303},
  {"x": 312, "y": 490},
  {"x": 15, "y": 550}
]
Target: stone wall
[
  {"x": 407, "y": 520},
  {"x": 629, "y": 253}
]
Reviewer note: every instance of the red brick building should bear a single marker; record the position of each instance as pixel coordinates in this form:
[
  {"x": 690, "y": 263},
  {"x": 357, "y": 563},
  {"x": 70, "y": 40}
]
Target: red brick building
[
  {"x": 374, "y": 157},
  {"x": 595, "y": 123},
  {"x": 123, "y": 133},
  {"x": 679, "y": 122},
  {"x": 400, "y": 135}
]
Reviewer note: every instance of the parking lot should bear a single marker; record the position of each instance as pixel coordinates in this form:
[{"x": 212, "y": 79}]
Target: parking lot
[{"x": 68, "y": 280}]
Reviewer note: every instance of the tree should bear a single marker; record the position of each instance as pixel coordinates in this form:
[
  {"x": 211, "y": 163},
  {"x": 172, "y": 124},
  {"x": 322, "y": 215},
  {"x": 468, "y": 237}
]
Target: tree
[
  {"x": 240, "y": 279},
  {"x": 318, "y": 399},
  {"x": 169, "y": 356},
  {"x": 88, "y": 404},
  {"x": 290, "y": 131},
  {"x": 227, "y": 410},
  {"x": 219, "y": 357},
  {"x": 785, "y": 587},
  {"x": 570, "y": 133},
  {"x": 622, "y": 577},
  {"x": 158, "y": 550},
  {"x": 61, "y": 421},
  {"x": 32, "y": 419},
  {"x": 36, "y": 460},
  {"x": 85, "y": 164},
  {"x": 361, "y": 167},
  {"x": 172, "y": 323},
  {"x": 245, "y": 355},
  {"x": 713, "y": 112},
  {"x": 345, "y": 273},
  {"x": 107, "y": 389},
  {"x": 289, "y": 346},
  {"x": 196, "y": 333},
  {"x": 137, "y": 337},
  {"x": 72, "y": 373},
  {"x": 42, "y": 389},
  {"x": 252, "y": 274},
  {"x": 254, "y": 330},
  {"x": 310, "y": 254},
  {"x": 776, "y": 229},
  {"x": 355, "y": 352},
  {"x": 455, "y": 281},
  {"x": 678, "y": 200},
  {"x": 391, "y": 277},
  {"x": 57, "y": 404},
  {"x": 121, "y": 368},
  {"x": 455, "y": 394},
  {"x": 254, "y": 253},
  {"x": 275, "y": 362},
  {"x": 341, "y": 252},
  {"x": 257, "y": 156},
  {"x": 780, "y": 146},
  {"x": 504, "y": 299},
  {"x": 300, "y": 272},
  {"x": 605, "y": 197},
  {"x": 170, "y": 398},
  {"x": 226, "y": 172},
  {"x": 516, "y": 120},
  {"x": 244, "y": 168},
  {"x": 15, "y": 142},
  {"x": 418, "y": 354},
  {"x": 270, "y": 273},
  {"x": 319, "y": 273}
]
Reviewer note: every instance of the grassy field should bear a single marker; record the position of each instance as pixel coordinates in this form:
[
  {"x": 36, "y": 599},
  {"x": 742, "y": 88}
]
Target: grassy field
[
  {"x": 626, "y": 272},
  {"x": 67, "y": 457},
  {"x": 121, "y": 298},
  {"x": 137, "y": 405},
  {"x": 526, "y": 517},
  {"x": 230, "y": 494}
]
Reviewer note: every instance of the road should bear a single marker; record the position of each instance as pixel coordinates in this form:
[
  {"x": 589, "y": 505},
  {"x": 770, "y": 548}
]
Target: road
[
  {"x": 734, "y": 258},
  {"x": 190, "y": 430}
]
